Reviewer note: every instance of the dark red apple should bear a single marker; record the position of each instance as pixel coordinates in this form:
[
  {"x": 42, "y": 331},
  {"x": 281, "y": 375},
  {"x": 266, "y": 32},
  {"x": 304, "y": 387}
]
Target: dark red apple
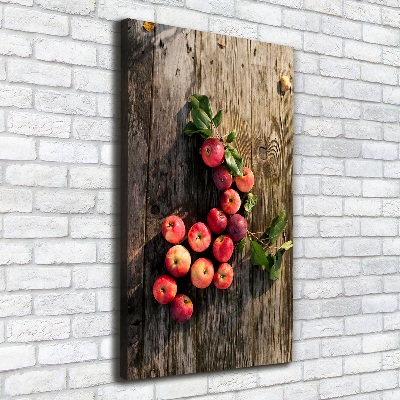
[
  {"x": 222, "y": 178},
  {"x": 212, "y": 152},
  {"x": 223, "y": 248},
  {"x": 237, "y": 227},
  {"x": 181, "y": 308},
  {"x": 217, "y": 220}
]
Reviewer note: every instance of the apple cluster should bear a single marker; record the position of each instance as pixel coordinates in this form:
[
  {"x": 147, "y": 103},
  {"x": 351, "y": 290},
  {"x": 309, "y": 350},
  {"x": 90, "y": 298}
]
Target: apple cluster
[{"x": 225, "y": 222}]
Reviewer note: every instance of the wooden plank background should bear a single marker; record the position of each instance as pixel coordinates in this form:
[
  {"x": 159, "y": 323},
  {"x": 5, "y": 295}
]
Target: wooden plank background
[{"x": 249, "y": 324}]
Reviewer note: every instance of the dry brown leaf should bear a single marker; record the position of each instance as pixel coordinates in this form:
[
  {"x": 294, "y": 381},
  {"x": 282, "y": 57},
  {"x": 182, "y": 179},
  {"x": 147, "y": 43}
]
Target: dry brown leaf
[
  {"x": 220, "y": 44},
  {"x": 286, "y": 85},
  {"x": 149, "y": 26}
]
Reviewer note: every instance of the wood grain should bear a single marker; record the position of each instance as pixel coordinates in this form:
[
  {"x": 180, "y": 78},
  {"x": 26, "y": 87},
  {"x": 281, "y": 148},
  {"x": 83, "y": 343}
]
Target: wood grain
[{"x": 162, "y": 174}]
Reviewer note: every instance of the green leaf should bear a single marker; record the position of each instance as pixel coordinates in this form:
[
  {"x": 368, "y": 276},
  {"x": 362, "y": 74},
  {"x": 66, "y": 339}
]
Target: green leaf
[
  {"x": 271, "y": 262},
  {"x": 241, "y": 245},
  {"x": 287, "y": 245},
  {"x": 233, "y": 161},
  {"x": 275, "y": 270},
  {"x": 217, "y": 119},
  {"x": 231, "y": 137},
  {"x": 200, "y": 118},
  {"x": 190, "y": 128},
  {"x": 202, "y": 102},
  {"x": 251, "y": 201},
  {"x": 276, "y": 228},
  {"x": 258, "y": 256},
  {"x": 205, "y": 133}
]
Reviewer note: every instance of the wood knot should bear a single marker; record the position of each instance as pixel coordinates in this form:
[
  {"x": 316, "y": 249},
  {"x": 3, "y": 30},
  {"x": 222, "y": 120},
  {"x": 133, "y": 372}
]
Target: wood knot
[
  {"x": 262, "y": 152},
  {"x": 285, "y": 83}
]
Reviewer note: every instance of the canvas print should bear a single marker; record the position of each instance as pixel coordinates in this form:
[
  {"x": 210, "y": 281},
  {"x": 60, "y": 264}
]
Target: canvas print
[{"x": 207, "y": 203}]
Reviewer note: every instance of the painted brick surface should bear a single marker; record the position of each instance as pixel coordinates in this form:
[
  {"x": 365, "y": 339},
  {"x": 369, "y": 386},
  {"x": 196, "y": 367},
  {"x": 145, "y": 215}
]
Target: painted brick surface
[{"x": 59, "y": 198}]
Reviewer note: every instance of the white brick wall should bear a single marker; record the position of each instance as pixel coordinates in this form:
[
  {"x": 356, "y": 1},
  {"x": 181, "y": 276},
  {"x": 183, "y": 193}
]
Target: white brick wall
[{"x": 59, "y": 141}]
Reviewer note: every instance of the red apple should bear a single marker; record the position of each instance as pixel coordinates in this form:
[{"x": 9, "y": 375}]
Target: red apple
[
  {"x": 237, "y": 227},
  {"x": 222, "y": 178},
  {"x": 199, "y": 237},
  {"x": 181, "y": 308},
  {"x": 224, "y": 276},
  {"x": 201, "y": 273},
  {"x": 173, "y": 229},
  {"x": 212, "y": 152},
  {"x": 177, "y": 261},
  {"x": 246, "y": 182},
  {"x": 223, "y": 248},
  {"x": 230, "y": 201},
  {"x": 217, "y": 220},
  {"x": 164, "y": 289}
]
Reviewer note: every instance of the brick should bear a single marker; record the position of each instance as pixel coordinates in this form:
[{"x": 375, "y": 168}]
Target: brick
[
  {"x": 340, "y": 346},
  {"x": 141, "y": 390},
  {"x": 38, "y": 73},
  {"x": 93, "y": 178},
  {"x": 219, "y": 7},
  {"x": 305, "y": 227},
  {"x": 322, "y": 328},
  {"x": 378, "y": 381},
  {"x": 340, "y": 267},
  {"x": 65, "y": 103},
  {"x": 392, "y": 321},
  {"x": 339, "y": 227},
  {"x": 391, "y": 207},
  {"x": 32, "y": 330},
  {"x": 328, "y": 87},
  {"x": 306, "y": 391},
  {"x": 307, "y": 145},
  {"x": 107, "y": 348},
  {"x": 341, "y": 27},
  {"x": 380, "y": 266},
  {"x": 259, "y": 12},
  {"x": 107, "y": 203},
  {"x": 102, "y": 32},
  {"x": 361, "y": 247},
  {"x": 107, "y": 253},
  {"x": 307, "y": 105},
  {"x": 66, "y": 252},
  {"x": 380, "y": 342},
  {"x": 64, "y": 303},
  {"x": 339, "y": 387},
  {"x": 380, "y": 150},
  {"x": 187, "y": 18},
  {"x": 379, "y": 73},
  {"x": 216, "y": 383},
  {"x": 362, "y": 11},
  {"x": 36, "y": 175},
  {"x": 323, "y": 166},
  {"x": 280, "y": 374},
  {"x": 391, "y": 132},
  {"x": 67, "y": 352},
  {"x": 360, "y": 90},
  {"x": 94, "y": 129},
  {"x": 362, "y": 363},
  {"x": 22, "y": 19},
  {"x": 108, "y": 106},
  {"x": 391, "y": 246},
  {"x": 379, "y": 227},
  {"x": 94, "y": 227},
  {"x": 322, "y": 44},
  {"x": 341, "y": 108},
  {"x": 301, "y": 20},
  {"x": 15, "y": 253},
  {"x": 280, "y": 36},
  {"x": 341, "y": 148},
  {"x": 106, "y": 302},
  {"x": 324, "y": 206},
  {"x": 12, "y": 148},
  {"x": 68, "y": 152},
  {"x": 320, "y": 248},
  {"x": 362, "y": 130},
  {"x": 233, "y": 28},
  {"x": 305, "y": 350},
  {"x": 363, "y": 286},
  {"x": 320, "y": 369},
  {"x": 32, "y": 124},
  {"x": 306, "y": 309},
  {"x": 65, "y": 202},
  {"x": 362, "y": 51},
  {"x": 31, "y": 227},
  {"x": 100, "y": 324},
  {"x": 332, "y": 186},
  {"x": 15, "y": 200},
  {"x": 306, "y": 185},
  {"x": 391, "y": 17},
  {"x": 324, "y": 6},
  {"x": 380, "y": 112},
  {"x": 391, "y": 283},
  {"x": 22, "y": 2},
  {"x": 252, "y": 394},
  {"x": 13, "y": 96},
  {"x": 363, "y": 324},
  {"x": 13, "y": 45},
  {"x": 65, "y": 51},
  {"x": 391, "y": 56},
  {"x": 15, "y": 305},
  {"x": 70, "y": 393},
  {"x": 380, "y": 35},
  {"x": 28, "y": 278},
  {"x": 381, "y": 188},
  {"x": 322, "y": 127},
  {"x": 17, "y": 357},
  {"x": 322, "y": 289},
  {"x": 391, "y": 95},
  {"x": 83, "y": 7},
  {"x": 340, "y": 68},
  {"x": 121, "y": 9},
  {"x": 109, "y": 58},
  {"x": 391, "y": 360},
  {"x": 304, "y": 62},
  {"x": 95, "y": 81},
  {"x": 364, "y": 168},
  {"x": 110, "y": 154},
  {"x": 306, "y": 269},
  {"x": 35, "y": 382}
]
